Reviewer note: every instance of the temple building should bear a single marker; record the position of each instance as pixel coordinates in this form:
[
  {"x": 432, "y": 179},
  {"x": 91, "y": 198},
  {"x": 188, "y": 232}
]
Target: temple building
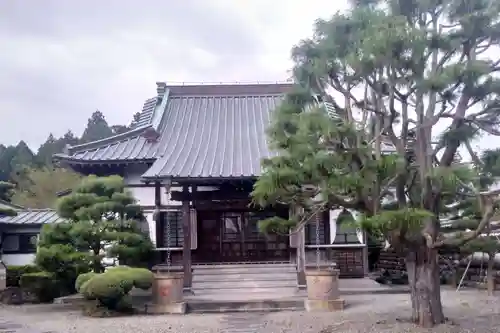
[{"x": 194, "y": 154}]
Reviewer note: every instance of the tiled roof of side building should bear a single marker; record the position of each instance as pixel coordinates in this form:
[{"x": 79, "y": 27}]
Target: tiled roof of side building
[
  {"x": 6, "y": 204},
  {"x": 32, "y": 216},
  {"x": 204, "y": 131}
]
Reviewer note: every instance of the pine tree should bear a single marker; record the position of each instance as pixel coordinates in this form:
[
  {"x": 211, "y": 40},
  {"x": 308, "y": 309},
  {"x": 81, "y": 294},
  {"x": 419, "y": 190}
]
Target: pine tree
[
  {"x": 103, "y": 220},
  {"x": 53, "y": 146},
  {"x": 375, "y": 85},
  {"x": 97, "y": 128},
  {"x": 467, "y": 215},
  {"x": 6, "y": 192}
]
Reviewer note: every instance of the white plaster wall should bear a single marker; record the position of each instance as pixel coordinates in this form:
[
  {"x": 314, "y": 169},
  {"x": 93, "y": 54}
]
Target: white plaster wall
[
  {"x": 18, "y": 259},
  {"x": 151, "y": 226},
  {"x": 133, "y": 173},
  {"x": 146, "y": 195}
]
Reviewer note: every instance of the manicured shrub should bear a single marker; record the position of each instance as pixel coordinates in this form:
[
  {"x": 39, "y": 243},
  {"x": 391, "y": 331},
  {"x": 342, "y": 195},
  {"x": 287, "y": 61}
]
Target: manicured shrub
[
  {"x": 40, "y": 284},
  {"x": 82, "y": 278},
  {"x": 111, "y": 288},
  {"x": 14, "y": 273},
  {"x": 143, "y": 278},
  {"x": 64, "y": 262}
]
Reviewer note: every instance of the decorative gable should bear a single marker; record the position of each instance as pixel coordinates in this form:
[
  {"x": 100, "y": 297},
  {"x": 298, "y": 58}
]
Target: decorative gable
[{"x": 150, "y": 135}]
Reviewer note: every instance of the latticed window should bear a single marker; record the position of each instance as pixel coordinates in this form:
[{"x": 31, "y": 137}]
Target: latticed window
[
  {"x": 18, "y": 243},
  {"x": 310, "y": 231},
  {"x": 323, "y": 231},
  {"x": 176, "y": 231}
]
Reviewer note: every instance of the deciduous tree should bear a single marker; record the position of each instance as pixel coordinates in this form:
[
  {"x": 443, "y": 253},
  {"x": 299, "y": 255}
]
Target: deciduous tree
[{"x": 38, "y": 188}]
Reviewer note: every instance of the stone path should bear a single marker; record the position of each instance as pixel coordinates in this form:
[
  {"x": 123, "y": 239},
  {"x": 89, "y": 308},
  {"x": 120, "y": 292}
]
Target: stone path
[
  {"x": 469, "y": 310},
  {"x": 11, "y": 327},
  {"x": 243, "y": 322}
]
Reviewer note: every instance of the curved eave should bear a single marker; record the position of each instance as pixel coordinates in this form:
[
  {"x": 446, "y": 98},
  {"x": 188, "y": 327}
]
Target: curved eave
[
  {"x": 110, "y": 140},
  {"x": 75, "y": 161},
  {"x": 153, "y": 122},
  {"x": 210, "y": 179}
]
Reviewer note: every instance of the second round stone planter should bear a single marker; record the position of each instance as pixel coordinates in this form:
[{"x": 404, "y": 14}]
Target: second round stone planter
[
  {"x": 323, "y": 290},
  {"x": 168, "y": 292}
]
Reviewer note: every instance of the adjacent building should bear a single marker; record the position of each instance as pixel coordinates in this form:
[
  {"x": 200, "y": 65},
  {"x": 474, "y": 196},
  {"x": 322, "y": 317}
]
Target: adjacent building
[
  {"x": 193, "y": 157},
  {"x": 19, "y": 233}
]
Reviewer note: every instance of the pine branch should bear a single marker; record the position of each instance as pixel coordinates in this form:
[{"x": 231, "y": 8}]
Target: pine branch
[{"x": 487, "y": 204}]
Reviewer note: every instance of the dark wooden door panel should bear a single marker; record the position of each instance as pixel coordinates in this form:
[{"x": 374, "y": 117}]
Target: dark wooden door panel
[{"x": 234, "y": 237}]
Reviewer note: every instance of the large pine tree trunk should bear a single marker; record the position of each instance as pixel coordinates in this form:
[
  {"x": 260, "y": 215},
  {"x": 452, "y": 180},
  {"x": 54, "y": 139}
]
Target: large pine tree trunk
[{"x": 424, "y": 281}]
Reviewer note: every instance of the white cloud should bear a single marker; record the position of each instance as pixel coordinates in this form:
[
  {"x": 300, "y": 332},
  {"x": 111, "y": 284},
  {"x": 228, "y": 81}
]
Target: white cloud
[{"x": 62, "y": 60}]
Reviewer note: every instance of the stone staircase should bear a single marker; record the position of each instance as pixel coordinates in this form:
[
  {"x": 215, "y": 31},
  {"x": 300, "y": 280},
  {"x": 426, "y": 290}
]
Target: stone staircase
[{"x": 245, "y": 281}]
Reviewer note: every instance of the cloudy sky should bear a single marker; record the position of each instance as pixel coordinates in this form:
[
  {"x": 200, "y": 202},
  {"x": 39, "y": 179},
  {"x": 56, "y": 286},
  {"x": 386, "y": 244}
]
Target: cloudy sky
[{"x": 61, "y": 60}]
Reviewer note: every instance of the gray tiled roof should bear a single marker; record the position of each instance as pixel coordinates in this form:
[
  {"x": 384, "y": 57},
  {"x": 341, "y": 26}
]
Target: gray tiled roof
[
  {"x": 124, "y": 149},
  {"x": 32, "y": 216},
  {"x": 204, "y": 131},
  {"x": 214, "y": 136}
]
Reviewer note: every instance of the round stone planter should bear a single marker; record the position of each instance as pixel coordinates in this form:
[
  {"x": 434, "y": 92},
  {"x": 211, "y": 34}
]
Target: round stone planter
[
  {"x": 323, "y": 290},
  {"x": 168, "y": 293}
]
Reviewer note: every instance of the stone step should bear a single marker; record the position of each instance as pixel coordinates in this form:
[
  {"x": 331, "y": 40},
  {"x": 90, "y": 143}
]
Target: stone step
[
  {"x": 248, "y": 284},
  {"x": 273, "y": 276},
  {"x": 249, "y": 305},
  {"x": 243, "y": 269},
  {"x": 245, "y": 264},
  {"x": 243, "y": 282},
  {"x": 244, "y": 293}
]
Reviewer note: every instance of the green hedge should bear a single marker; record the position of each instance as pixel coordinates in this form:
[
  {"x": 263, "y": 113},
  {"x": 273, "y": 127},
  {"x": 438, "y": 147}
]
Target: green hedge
[
  {"x": 14, "y": 273},
  {"x": 82, "y": 278},
  {"x": 42, "y": 285},
  {"x": 111, "y": 288}
]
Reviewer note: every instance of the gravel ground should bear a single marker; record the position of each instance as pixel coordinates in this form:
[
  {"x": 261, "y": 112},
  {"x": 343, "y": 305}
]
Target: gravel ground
[{"x": 469, "y": 311}]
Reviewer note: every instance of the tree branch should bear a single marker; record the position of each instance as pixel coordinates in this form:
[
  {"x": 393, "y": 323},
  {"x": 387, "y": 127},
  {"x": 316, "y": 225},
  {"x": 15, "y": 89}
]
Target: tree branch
[{"x": 487, "y": 203}]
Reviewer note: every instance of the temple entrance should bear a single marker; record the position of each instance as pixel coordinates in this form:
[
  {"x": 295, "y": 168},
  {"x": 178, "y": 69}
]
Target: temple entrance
[{"x": 234, "y": 237}]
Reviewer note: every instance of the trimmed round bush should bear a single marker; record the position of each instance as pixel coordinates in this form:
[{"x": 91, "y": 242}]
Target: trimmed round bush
[
  {"x": 143, "y": 278},
  {"x": 111, "y": 287},
  {"x": 82, "y": 278}
]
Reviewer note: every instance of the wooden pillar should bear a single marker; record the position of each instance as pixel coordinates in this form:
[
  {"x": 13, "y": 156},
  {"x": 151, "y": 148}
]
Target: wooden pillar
[
  {"x": 298, "y": 242},
  {"x": 159, "y": 230},
  {"x": 366, "y": 268},
  {"x": 301, "y": 257},
  {"x": 186, "y": 246}
]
